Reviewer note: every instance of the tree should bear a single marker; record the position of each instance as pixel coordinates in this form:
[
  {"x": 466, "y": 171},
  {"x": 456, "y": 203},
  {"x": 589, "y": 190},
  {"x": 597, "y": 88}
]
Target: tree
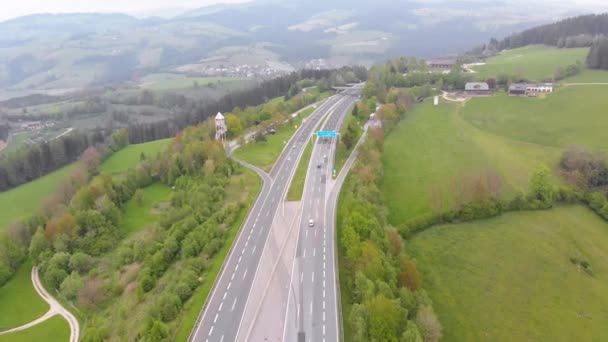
[
  {"x": 408, "y": 275},
  {"x": 411, "y": 333},
  {"x": 91, "y": 159},
  {"x": 138, "y": 197},
  {"x": 38, "y": 245},
  {"x": 384, "y": 319},
  {"x": 233, "y": 124},
  {"x": 157, "y": 332},
  {"x": 80, "y": 262},
  {"x": 541, "y": 187},
  {"x": 70, "y": 287},
  {"x": 429, "y": 325},
  {"x": 491, "y": 83},
  {"x": 598, "y": 55},
  {"x": 358, "y": 319}
]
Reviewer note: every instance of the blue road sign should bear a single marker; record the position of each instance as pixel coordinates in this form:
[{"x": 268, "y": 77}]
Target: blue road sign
[{"x": 327, "y": 134}]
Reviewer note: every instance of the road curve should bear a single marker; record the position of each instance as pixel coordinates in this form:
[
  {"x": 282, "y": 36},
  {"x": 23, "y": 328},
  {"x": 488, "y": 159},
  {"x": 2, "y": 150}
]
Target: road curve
[{"x": 55, "y": 309}]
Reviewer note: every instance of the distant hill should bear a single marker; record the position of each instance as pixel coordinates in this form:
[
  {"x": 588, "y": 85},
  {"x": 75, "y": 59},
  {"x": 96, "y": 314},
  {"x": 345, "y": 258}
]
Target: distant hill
[
  {"x": 51, "y": 53},
  {"x": 580, "y": 31}
]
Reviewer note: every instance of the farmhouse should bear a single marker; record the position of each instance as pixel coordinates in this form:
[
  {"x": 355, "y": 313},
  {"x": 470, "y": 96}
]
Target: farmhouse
[
  {"x": 539, "y": 88},
  {"x": 518, "y": 89},
  {"x": 442, "y": 64},
  {"x": 530, "y": 89},
  {"x": 477, "y": 88}
]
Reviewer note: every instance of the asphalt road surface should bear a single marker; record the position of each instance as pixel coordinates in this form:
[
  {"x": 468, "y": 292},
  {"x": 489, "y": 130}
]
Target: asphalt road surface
[
  {"x": 312, "y": 311},
  {"x": 221, "y": 317}
]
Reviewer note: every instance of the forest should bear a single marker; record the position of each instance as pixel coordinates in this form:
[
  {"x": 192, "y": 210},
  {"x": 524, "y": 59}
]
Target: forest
[{"x": 598, "y": 54}]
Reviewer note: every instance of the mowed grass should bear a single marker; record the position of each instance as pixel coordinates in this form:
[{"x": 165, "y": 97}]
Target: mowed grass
[
  {"x": 129, "y": 156},
  {"x": 26, "y": 199},
  {"x": 54, "y": 329},
  {"x": 137, "y": 217},
  {"x": 588, "y": 76},
  {"x": 296, "y": 188},
  {"x": 245, "y": 187},
  {"x": 510, "y": 278},
  {"x": 19, "y": 300},
  {"x": 264, "y": 154},
  {"x": 573, "y": 115},
  {"x": 535, "y": 62},
  {"x": 433, "y": 147}
]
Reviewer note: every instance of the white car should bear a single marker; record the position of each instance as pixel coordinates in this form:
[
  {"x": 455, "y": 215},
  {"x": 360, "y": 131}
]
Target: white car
[{"x": 311, "y": 223}]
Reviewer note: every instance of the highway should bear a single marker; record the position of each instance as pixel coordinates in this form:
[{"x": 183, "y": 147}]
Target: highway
[
  {"x": 312, "y": 311},
  {"x": 221, "y": 317}
]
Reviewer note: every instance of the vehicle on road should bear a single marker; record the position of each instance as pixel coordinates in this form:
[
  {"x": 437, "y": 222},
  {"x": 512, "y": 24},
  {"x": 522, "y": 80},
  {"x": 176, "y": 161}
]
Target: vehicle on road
[
  {"x": 311, "y": 223},
  {"x": 319, "y": 166}
]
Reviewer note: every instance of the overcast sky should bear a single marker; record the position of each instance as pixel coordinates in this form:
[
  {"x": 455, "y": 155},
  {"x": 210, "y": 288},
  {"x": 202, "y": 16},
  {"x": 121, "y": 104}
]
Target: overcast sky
[{"x": 166, "y": 8}]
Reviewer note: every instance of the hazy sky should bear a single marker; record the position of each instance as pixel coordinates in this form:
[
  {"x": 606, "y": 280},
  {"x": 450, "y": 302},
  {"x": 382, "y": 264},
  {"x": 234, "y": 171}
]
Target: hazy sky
[
  {"x": 16, "y": 8},
  {"x": 167, "y": 8}
]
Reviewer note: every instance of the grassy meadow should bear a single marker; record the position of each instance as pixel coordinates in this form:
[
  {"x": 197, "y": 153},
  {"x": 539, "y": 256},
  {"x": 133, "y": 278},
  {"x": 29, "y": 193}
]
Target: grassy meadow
[
  {"x": 264, "y": 154},
  {"x": 20, "y": 302},
  {"x": 138, "y": 216},
  {"x": 163, "y": 82},
  {"x": 510, "y": 278},
  {"x": 54, "y": 329},
  {"x": 296, "y": 188},
  {"x": 25, "y": 199},
  {"x": 574, "y": 115},
  {"x": 129, "y": 156},
  {"x": 535, "y": 62},
  {"x": 434, "y": 147}
]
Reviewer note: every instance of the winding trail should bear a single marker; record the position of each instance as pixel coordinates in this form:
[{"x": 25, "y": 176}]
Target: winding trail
[{"x": 55, "y": 309}]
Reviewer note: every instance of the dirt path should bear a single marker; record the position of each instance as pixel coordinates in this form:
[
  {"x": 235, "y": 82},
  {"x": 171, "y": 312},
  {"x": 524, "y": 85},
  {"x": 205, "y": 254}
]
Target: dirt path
[
  {"x": 444, "y": 95},
  {"x": 55, "y": 309}
]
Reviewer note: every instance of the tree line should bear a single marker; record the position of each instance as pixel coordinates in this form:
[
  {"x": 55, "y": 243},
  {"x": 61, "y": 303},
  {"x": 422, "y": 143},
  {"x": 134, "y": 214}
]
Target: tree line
[
  {"x": 598, "y": 54},
  {"x": 198, "y": 112},
  {"x": 385, "y": 298},
  {"x": 580, "y": 31}
]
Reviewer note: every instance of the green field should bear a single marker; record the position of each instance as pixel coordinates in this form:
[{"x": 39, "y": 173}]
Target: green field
[
  {"x": 510, "y": 278},
  {"x": 250, "y": 187},
  {"x": 20, "y": 302},
  {"x": 264, "y": 154},
  {"x": 433, "y": 147},
  {"x": 139, "y": 216},
  {"x": 129, "y": 156},
  {"x": 535, "y": 62},
  {"x": 176, "y": 81},
  {"x": 588, "y": 76},
  {"x": 296, "y": 188},
  {"x": 25, "y": 199},
  {"x": 574, "y": 115},
  {"x": 54, "y": 329}
]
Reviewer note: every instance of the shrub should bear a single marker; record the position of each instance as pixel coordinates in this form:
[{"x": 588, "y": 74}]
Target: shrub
[
  {"x": 429, "y": 325},
  {"x": 168, "y": 307}
]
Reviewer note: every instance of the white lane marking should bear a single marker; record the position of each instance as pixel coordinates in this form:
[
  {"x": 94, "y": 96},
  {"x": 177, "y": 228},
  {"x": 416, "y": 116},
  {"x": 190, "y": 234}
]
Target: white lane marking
[
  {"x": 323, "y": 293},
  {"x": 233, "y": 305},
  {"x": 245, "y": 274},
  {"x": 323, "y": 283},
  {"x": 211, "y": 330},
  {"x": 301, "y": 277},
  {"x": 255, "y": 224},
  {"x": 323, "y": 316},
  {"x": 240, "y": 258},
  {"x": 314, "y": 252},
  {"x": 221, "y": 306},
  {"x": 222, "y": 339},
  {"x": 323, "y": 256},
  {"x": 253, "y": 249},
  {"x": 311, "y": 307},
  {"x": 306, "y": 232},
  {"x": 229, "y": 284},
  {"x": 237, "y": 266},
  {"x": 323, "y": 273},
  {"x": 313, "y": 276},
  {"x": 304, "y": 254},
  {"x": 225, "y": 293},
  {"x": 215, "y": 319},
  {"x": 323, "y": 305},
  {"x": 323, "y": 329},
  {"x": 323, "y": 250}
]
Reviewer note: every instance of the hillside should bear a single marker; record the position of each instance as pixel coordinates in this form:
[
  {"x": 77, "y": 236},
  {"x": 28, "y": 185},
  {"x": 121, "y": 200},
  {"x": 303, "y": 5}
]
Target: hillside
[{"x": 56, "y": 54}]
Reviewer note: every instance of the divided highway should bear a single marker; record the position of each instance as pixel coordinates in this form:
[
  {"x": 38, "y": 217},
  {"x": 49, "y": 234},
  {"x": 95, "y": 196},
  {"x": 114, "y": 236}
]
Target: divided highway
[
  {"x": 222, "y": 314},
  {"x": 312, "y": 311}
]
